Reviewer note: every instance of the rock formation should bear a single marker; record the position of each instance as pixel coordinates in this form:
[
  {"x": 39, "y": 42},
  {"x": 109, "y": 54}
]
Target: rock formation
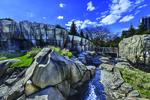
[
  {"x": 50, "y": 77},
  {"x": 115, "y": 86},
  {"x": 136, "y": 49}
]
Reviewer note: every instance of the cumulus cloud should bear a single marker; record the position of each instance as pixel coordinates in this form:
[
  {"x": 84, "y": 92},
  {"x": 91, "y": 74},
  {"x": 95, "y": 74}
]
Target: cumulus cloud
[
  {"x": 90, "y": 6},
  {"x": 60, "y": 17},
  {"x": 61, "y": 5},
  {"x": 127, "y": 18},
  {"x": 110, "y": 19},
  {"x": 116, "y": 9},
  {"x": 82, "y": 24}
]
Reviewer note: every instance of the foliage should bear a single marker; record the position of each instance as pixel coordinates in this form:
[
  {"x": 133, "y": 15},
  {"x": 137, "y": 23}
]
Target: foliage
[
  {"x": 138, "y": 79},
  {"x": 132, "y": 31},
  {"x": 141, "y": 29},
  {"x": 99, "y": 35},
  {"x": 63, "y": 52},
  {"x": 73, "y": 30},
  {"x": 59, "y": 26},
  {"x": 81, "y": 34}
]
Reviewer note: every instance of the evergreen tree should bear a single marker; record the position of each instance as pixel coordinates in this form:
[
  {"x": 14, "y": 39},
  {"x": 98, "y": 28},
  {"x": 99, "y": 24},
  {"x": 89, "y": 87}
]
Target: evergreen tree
[
  {"x": 132, "y": 31},
  {"x": 141, "y": 28},
  {"x": 73, "y": 30},
  {"x": 81, "y": 34}
]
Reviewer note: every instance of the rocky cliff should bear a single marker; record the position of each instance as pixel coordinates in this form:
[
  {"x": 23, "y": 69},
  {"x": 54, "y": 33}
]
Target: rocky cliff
[{"x": 14, "y": 36}]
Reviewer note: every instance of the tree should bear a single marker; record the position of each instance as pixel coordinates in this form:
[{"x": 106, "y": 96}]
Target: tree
[
  {"x": 81, "y": 34},
  {"x": 141, "y": 29},
  {"x": 59, "y": 26},
  {"x": 132, "y": 31},
  {"x": 73, "y": 30},
  {"x": 99, "y": 35}
]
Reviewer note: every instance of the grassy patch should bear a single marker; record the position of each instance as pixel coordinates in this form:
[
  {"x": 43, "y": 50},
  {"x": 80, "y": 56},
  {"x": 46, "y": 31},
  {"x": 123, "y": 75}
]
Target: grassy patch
[
  {"x": 64, "y": 52},
  {"x": 138, "y": 79},
  {"x": 25, "y": 60}
]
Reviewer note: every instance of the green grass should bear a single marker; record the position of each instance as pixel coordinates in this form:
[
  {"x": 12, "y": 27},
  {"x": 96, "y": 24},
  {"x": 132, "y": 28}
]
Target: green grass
[
  {"x": 138, "y": 79},
  {"x": 64, "y": 52},
  {"x": 25, "y": 60}
]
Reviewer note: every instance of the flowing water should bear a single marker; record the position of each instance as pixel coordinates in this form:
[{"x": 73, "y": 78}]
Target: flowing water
[{"x": 95, "y": 89}]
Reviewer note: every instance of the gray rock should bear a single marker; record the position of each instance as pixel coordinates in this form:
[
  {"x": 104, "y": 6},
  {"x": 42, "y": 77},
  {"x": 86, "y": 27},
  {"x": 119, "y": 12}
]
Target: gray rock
[
  {"x": 134, "y": 93},
  {"x": 30, "y": 88},
  {"x": 64, "y": 88},
  {"x": 3, "y": 90},
  {"x": 4, "y": 65},
  {"x": 15, "y": 91},
  {"x": 23, "y": 97},
  {"x": 107, "y": 67},
  {"x": 10, "y": 81},
  {"x": 47, "y": 94},
  {"x": 126, "y": 88},
  {"x": 136, "y": 49}
]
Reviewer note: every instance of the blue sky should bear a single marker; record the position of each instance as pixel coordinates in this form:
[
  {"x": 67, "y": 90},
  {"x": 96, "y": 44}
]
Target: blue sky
[{"x": 114, "y": 14}]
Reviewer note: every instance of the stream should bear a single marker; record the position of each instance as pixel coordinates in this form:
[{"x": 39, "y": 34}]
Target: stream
[{"x": 95, "y": 89}]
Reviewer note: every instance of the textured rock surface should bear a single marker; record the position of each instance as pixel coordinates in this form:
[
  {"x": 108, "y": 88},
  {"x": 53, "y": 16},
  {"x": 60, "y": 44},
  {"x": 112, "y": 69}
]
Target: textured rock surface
[
  {"x": 136, "y": 49},
  {"x": 50, "y": 77},
  {"x": 24, "y": 35},
  {"x": 114, "y": 84}
]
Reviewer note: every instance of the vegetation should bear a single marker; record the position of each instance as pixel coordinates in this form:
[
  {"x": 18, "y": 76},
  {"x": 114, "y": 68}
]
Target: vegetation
[
  {"x": 138, "y": 79},
  {"x": 25, "y": 60},
  {"x": 132, "y": 31},
  {"x": 59, "y": 26},
  {"x": 63, "y": 52}
]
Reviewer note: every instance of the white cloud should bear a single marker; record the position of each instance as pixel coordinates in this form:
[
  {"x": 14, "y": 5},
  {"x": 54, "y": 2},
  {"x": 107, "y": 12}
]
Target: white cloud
[
  {"x": 60, "y": 17},
  {"x": 44, "y": 17},
  {"x": 138, "y": 11},
  {"x": 61, "y": 5},
  {"x": 110, "y": 19},
  {"x": 117, "y": 8},
  {"x": 142, "y": 6},
  {"x": 82, "y": 24},
  {"x": 139, "y": 1},
  {"x": 127, "y": 18},
  {"x": 90, "y": 6}
]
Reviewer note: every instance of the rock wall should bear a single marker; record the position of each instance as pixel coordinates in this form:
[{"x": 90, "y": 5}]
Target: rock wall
[
  {"x": 136, "y": 49},
  {"x": 25, "y": 34}
]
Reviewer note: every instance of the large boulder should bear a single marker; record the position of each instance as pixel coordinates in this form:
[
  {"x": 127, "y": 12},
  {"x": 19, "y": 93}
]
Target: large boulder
[
  {"x": 136, "y": 49},
  {"x": 51, "y": 70}
]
